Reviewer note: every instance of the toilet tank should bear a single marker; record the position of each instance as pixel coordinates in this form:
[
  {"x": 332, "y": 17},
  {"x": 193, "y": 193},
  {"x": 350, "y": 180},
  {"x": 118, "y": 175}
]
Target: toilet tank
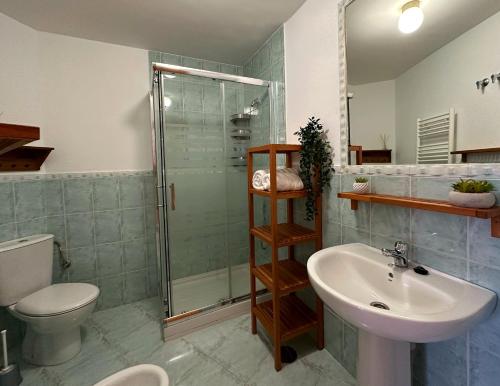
[{"x": 25, "y": 267}]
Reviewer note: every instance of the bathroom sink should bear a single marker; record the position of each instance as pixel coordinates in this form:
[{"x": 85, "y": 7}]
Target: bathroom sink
[{"x": 393, "y": 306}]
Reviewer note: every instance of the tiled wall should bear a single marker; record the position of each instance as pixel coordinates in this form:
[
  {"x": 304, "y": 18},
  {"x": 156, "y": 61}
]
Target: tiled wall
[
  {"x": 460, "y": 246},
  {"x": 268, "y": 63},
  {"x": 103, "y": 221}
]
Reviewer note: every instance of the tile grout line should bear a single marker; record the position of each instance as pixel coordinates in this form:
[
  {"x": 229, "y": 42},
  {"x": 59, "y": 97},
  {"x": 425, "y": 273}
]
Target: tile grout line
[
  {"x": 14, "y": 203},
  {"x": 93, "y": 222},
  {"x": 122, "y": 262},
  {"x": 144, "y": 224},
  {"x": 64, "y": 275}
]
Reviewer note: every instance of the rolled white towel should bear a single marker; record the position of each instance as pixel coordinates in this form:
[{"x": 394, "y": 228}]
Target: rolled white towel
[
  {"x": 286, "y": 179},
  {"x": 258, "y": 179}
]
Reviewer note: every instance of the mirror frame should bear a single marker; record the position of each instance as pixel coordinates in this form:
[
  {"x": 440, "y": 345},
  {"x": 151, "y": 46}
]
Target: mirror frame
[{"x": 435, "y": 170}]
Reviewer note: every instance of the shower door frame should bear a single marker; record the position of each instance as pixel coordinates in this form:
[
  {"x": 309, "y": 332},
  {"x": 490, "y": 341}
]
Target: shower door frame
[{"x": 160, "y": 173}]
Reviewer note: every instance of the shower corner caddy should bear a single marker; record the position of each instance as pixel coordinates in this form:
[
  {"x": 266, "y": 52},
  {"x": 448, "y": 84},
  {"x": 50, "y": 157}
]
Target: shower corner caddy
[{"x": 282, "y": 277}]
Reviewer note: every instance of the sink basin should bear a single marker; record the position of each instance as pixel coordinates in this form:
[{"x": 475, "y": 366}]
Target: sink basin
[{"x": 393, "y": 306}]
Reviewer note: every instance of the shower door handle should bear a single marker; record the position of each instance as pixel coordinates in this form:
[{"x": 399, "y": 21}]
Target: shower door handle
[{"x": 172, "y": 196}]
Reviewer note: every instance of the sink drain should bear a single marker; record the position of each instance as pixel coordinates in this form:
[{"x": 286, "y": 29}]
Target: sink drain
[{"x": 380, "y": 305}]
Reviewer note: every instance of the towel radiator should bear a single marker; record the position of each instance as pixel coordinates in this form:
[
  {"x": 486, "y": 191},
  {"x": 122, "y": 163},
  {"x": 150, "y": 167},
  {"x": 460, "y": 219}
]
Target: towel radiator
[{"x": 436, "y": 138}]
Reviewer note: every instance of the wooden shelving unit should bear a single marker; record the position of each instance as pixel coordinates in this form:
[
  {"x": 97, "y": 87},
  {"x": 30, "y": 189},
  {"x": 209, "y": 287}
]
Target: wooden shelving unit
[
  {"x": 429, "y": 205},
  {"x": 14, "y": 156},
  {"x": 285, "y": 316}
]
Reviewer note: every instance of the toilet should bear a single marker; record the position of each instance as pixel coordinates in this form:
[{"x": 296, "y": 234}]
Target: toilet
[{"x": 53, "y": 312}]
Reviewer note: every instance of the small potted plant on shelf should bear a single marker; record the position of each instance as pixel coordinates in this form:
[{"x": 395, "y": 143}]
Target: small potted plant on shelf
[
  {"x": 360, "y": 185},
  {"x": 472, "y": 194}
]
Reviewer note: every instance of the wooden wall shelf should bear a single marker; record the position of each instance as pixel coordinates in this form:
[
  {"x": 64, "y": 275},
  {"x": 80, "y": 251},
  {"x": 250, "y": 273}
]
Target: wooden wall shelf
[
  {"x": 14, "y": 136},
  {"x": 429, "y": 205},
  {"x": 285, "y": 316},
  {"x": 376, "y": 156},
  {"x": 465, "y": 153},
  {"x": 24, "y": 159}
]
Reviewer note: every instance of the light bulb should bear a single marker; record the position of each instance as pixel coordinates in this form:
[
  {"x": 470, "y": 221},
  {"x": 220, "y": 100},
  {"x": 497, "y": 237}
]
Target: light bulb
[
  {"x": 167, "y": 102},
  {"x": 411, "y": 17}
]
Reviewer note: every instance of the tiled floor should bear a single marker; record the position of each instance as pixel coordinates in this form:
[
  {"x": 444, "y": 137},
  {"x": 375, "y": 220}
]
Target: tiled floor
[{"x": 225, "y": 354}]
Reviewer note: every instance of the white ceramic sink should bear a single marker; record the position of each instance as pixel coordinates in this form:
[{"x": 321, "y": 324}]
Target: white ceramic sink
[{"x": 350, "y": 277}]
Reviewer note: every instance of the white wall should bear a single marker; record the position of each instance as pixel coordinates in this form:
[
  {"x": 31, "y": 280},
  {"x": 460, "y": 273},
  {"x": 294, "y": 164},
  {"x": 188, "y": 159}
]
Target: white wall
[
  {"x": 373, "y": 113},
  {"x": 311, "y": 66},
  {"x": 447, "y": 79},
  {"x": 19, "y": 73},
  {"x": 89, "y": 98},
  {"x": 95, "y": 105}
]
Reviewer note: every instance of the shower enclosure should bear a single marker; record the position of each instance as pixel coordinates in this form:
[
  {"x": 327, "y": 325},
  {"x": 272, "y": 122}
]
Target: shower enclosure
[{"x": 203, "y": 122}]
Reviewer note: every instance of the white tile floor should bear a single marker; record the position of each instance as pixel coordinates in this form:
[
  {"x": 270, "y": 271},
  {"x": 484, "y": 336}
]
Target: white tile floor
[{"x": 224, "y": 354}]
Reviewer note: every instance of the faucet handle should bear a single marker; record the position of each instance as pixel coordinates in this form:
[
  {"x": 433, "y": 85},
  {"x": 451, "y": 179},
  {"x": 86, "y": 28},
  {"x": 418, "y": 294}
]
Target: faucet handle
[{"x": 401, "y": 248}]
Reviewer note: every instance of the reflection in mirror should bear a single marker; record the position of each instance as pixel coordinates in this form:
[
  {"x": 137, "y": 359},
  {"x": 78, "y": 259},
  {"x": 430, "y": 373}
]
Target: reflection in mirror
[{"x": 423, "y": 81}]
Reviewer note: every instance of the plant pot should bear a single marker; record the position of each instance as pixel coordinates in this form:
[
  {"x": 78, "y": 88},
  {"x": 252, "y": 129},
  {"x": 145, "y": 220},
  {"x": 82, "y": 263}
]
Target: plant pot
[
  {"x": 361, "y": 187},
  {"x": 472, "y": 200}
]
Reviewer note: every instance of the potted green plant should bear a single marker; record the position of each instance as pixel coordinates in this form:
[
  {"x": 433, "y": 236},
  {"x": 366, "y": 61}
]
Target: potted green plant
[
  {"x": 472, "y": 194},
  {"x": 316, "y": 159},
  {"x": 360, "y": 185}
]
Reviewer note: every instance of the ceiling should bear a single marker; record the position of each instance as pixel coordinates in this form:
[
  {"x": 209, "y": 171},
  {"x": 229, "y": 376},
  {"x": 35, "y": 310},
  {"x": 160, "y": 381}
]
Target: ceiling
[
  {"x": 227, "y": 31},
  {"x": 377, "y": 51}
]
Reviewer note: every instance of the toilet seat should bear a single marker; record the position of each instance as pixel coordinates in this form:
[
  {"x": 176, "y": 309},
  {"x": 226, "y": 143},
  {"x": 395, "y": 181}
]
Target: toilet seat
[{"x": 57, "y": 299}]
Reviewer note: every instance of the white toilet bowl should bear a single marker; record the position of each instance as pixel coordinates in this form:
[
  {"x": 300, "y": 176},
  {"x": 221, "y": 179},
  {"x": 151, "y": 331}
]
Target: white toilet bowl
[{"x": 53, "y": 316}]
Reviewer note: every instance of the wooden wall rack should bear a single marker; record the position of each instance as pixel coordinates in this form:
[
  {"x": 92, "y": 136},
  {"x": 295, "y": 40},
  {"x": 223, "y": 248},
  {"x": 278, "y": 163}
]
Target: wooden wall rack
[
  {"x": 465, "y": 153},
  {"x": 285, "y": 316},
  {"x": 429, "y": 205},
  {"x": 14, "y": 156}
]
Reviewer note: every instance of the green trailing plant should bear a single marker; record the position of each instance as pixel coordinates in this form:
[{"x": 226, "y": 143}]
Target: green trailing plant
[
  {"x": 472, "y": 186},
  {"x": 316, "y": 160},
  {"x": 361, "y": 180}
]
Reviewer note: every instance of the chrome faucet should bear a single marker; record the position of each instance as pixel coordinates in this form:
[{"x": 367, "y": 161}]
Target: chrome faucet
[{"x": 399, "y": 254}]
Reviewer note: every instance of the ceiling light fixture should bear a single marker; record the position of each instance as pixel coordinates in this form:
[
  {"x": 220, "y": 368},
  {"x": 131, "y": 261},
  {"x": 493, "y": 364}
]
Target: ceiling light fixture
[{"x": 411, "y": 17}]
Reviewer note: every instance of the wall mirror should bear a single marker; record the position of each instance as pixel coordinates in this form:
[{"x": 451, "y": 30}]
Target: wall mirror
[{"x": 423, "y": 81}]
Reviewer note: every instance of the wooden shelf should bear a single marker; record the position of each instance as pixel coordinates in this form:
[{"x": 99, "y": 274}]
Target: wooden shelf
[
  {"x": 292, "y": 276},
  {"x": 286, "y": 195},
  {"x": 279, "y": 148},
  {"x": 291, "y": 315},
  {"x": 465, "y": 153},
  {"x": 24, "y": 158},
  {"x": 295, "y": 317},
  {"x": 288, "y": 234},
  {"x": 376, "y": 156},
  {"x": 15, "y": 136},
  {"x": 429, "y": 205}
]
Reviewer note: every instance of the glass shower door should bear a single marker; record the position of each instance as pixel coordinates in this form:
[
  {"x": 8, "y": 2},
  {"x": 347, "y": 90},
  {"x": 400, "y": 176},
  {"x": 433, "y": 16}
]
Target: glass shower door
[
  {"x": 194, "y": 143},
  {"x": 205, "y": 128}
]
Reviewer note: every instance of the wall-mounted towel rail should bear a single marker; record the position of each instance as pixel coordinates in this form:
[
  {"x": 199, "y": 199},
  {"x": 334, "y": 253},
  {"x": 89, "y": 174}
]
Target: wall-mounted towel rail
[{"x": 436, "y": 138}]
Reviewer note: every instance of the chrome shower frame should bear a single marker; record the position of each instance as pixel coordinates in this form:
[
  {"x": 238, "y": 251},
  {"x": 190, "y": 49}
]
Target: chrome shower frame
[{"x": 160, "y": 175}]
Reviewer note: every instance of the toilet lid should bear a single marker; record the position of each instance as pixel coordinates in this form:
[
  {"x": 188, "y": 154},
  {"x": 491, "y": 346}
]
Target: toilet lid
[{"x": 57, "y": 299}]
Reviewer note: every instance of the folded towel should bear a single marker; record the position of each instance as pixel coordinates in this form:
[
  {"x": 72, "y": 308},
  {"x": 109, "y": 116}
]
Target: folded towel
[{"x": 286, "y": 179}]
